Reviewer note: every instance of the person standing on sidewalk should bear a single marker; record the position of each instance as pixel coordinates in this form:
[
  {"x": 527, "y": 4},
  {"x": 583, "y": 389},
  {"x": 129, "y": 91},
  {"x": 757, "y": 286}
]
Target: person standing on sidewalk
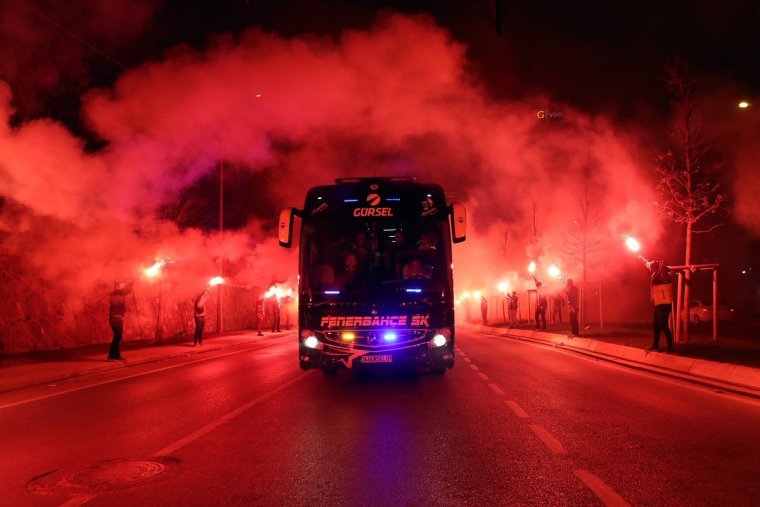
[
  {"x": 484, "y": 309},
  {"x": 541, "y": 304},
  {"x": 117, "y": 309},
  {"x": 557, "y": 303},
  {"x": 260, "y": 314},
  {"x": 573, "y": 304},
  {"x": 200, "y": 317},
  {"x": 276, "y": 315},
  {"x": 662, "y": 297},
  {"x": 512, "y": 305}
]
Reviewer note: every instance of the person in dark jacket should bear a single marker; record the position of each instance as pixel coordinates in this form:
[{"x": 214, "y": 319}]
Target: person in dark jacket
[
  {"x": 275, "y": 314},
  {"x": 662, "y": 297},
  {"x": 573, "y": 304},
  {"x": 512, "y": 305},
  {"x": 117, "y": 310},
  {"x": 200, "y": 317},
  {"x": 541, "y": 305},
  {"x": 484, "y": 309},
  {"x": 260, "y": 314},
  {"x": 557, "y": 303}
]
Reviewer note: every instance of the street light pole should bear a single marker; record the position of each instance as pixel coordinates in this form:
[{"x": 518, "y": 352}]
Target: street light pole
[{"x": 219, "y": 308}]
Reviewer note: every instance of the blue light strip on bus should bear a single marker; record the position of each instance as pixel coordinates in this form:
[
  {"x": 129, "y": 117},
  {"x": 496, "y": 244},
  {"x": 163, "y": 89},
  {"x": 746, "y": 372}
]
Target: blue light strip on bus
[
  {"x": 332, "y": 292},
  {"x": 414, "y": 290},
  {"x": 394, "y": 199},
  {"x": 350, "y": 200}
]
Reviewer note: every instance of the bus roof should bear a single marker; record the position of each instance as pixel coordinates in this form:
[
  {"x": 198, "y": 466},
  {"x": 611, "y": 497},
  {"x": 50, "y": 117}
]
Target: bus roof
[{"x": 376, "y": 192}]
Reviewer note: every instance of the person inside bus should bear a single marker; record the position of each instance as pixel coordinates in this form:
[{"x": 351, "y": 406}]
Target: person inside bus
[
  {"x": 415, "y": 270},
  {"x": 399, "y": 254},
  {"x": 351, "y": 275},
  {"x": 428, "y": 241}
]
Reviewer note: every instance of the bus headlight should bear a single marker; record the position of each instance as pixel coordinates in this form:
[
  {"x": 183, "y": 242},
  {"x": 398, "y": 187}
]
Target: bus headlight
[
  {"x": 310, "y": 340},
  {"x": 440, "y": 338}
]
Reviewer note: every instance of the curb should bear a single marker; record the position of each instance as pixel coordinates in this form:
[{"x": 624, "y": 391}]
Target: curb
[{"x": 730, "y": 377}]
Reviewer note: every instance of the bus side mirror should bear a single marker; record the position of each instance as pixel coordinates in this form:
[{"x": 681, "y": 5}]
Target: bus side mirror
[
  {"x": 458, "y": 222},
  {"x": 286, "y": 226}
]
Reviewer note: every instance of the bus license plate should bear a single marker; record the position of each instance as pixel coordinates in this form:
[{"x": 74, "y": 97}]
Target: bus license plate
[{"x": 377, "y": 359}]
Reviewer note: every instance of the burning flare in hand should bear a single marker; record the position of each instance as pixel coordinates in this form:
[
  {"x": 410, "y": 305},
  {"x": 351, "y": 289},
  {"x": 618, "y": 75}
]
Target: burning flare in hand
[
  {"x": 632, "y": 244},
  {"x": 155, "y": 269},
  {"x": 532, "y": 267},
  {"x": 217, "y": 280}
]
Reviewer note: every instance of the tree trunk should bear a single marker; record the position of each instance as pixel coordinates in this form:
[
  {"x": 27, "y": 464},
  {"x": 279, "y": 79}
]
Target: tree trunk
[{"x": 687, "y": 285}]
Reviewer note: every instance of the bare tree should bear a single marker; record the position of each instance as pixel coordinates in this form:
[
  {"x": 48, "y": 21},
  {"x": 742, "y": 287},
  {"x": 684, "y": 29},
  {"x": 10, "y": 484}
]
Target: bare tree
[
  {"x": 507, "y": 240},
  {"x": 583, "y": 240},
  {"x": 690, "y": 194}
]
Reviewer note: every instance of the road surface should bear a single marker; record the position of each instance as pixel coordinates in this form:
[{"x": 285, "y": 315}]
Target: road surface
[{"x": 512, "y": 424}]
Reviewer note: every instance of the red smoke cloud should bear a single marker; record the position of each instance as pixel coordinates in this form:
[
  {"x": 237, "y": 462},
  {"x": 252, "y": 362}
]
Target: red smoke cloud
[{"x": 396, "y": 99}]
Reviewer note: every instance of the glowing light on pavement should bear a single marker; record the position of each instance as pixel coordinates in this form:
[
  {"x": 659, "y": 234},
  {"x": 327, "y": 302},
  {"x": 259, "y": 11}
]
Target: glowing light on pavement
[{"x": 743, "y": 104}]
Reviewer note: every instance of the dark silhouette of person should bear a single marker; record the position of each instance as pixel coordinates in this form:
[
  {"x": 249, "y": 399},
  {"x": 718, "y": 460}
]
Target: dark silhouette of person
[
  {"x": 400, "y": 252},
  {"x": 117, "y": 309},
  {"x": 349, "y": 277},
  {"x": 484, "y": 309},
  {"x": 276, "y": 314},
  {"x": 573, "y": 305},
  {"x": 662, "y": 297},
  {"x": 199, "y": 305},
  {"x": 415, "y": 270},
  {"x": 557, "y": 303},
  {"x": 260, "y": 314},
  {"x": 541, "y": 304},
  {"x": 512, "y": 305}
]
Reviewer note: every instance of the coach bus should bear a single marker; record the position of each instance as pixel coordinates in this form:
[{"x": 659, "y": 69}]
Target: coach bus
[{"x": 375, "y": 282}]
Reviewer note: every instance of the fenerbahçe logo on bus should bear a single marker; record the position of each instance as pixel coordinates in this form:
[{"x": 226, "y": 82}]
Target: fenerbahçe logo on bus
[{"x": 373, "y": 200}]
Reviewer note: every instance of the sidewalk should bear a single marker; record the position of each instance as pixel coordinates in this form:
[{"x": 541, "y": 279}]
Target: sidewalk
[
  {"x": 630, "y": 348},
  {"x": 28, "y": 370}
]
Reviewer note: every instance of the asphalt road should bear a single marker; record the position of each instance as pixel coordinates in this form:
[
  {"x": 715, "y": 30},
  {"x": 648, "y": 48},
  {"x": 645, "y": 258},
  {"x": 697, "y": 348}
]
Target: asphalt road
[{"x": 512, "y": 423}]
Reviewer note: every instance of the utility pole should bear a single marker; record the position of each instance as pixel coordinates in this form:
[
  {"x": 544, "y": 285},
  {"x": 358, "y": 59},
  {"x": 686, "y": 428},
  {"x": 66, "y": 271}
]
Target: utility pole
[{"x": 219, "y": 294}]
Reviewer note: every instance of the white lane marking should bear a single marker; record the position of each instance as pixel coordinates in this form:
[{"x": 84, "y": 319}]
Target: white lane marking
[
  {"x": 467, "y": 360},
  {"x": 548, "y": 439},
  {"x": 483, "y": 376},
  {"x": 517, "y": 409},
  {"x": 496, "y": 389},
  {"x": 78, "y": 500},
  {"x": 474, "y": 367},
  {"x": 606, "y": 494},
  {"x": 195, "y": 435},
  {"x": 75, "y": 389},
  {"x": 215, "y": 424}
]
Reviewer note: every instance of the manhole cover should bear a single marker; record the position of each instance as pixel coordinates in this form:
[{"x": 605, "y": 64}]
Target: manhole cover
[
  {"x": 103, "y": 476},
  {"x": 116, "y": 474}
]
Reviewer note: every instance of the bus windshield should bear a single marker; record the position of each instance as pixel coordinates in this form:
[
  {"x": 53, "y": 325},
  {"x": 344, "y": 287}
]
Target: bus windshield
[{"x": 353, "y": 258}]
